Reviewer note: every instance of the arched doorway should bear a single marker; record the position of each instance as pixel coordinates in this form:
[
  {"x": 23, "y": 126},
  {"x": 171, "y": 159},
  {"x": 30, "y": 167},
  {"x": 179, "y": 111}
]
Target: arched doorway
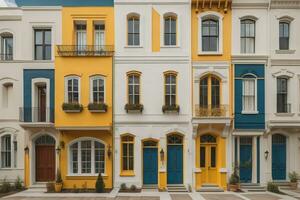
[
  {"x": 175, "y": 159},
  {"x": 150, "y": 162},
  {"x": 278, "y": 157},
  {"x": 44, "y": 158},
  {"x": 208, "y": 158}
]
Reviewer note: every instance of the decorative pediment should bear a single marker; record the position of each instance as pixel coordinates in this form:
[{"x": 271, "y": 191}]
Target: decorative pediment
[
  {"x": 283, "y": 72},
  {"x": 8, "y": 130}
]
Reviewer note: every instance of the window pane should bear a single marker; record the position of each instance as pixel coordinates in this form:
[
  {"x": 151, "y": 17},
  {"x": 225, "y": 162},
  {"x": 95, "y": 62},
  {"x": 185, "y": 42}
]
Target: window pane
[
  {"x": 173, "y": 39},
  {"x": 137, "y": 39},
  {"x": 202, "y": 156},
  {"x": 167, "y": 26},
  {"x": 48, "y": 37},
  {"x": 39, "y": 52},
  {"x": 38, "y": 37},
  {"x": 213, "y": 157},
  {"x": 173, "y": 26},
  {"x": 48, "y": 53},
  {"x": 136, "y": 26}
]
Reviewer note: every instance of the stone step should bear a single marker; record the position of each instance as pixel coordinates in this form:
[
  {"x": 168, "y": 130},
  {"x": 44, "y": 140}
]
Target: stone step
[
  {"x": 38, "y": 186},
  {"x": 210, "y": 188},
  {"x": 176, "y": 188},
  {"x": 282, "y": 183},
  {"x": 252, "y": 187},
  {"x": 210, "y": 185},
  {"x": 149, "y": 186}
]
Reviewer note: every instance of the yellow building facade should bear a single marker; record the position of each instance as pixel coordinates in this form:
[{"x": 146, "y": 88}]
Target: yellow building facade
[
  {"x": 212, "y": 107},
  {"x": 83, "y": 95}
]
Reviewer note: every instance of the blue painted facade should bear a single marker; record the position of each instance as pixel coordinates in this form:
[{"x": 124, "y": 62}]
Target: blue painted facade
[
  {"x": 28, "y": 75},
  {"x": 64, "y": 3},
  {"x": 249, "y": 121}
]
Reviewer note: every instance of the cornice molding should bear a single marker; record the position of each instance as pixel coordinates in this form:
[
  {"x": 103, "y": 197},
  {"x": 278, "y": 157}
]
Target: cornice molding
[
  {"x": 285, "y": 62},
  {"x": 250, "y": 5},
  {"x": 285, "y": 4}
]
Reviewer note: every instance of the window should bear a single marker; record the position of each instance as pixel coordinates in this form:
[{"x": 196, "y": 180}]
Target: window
[
  {"x": 127, "y": 153},
  {"x": 6, "y": 151},
  {"x": 99, "y": 36},
  {"x": 133, "y": 28},
  {"x": 282, "y": 95},
  {"x": 134, "y": 88},
  {"x": 249, "y": 94},
  {"x": 87, "y": 157},
  {"x": 80, "y": 28},
  {"x": 6, "y": 46},
  {"x": 72, "y": 89},
  {"x": 210, "y": 35},
  {"x": 170, "y": 89},
  {"x": 170, "y": 31},
  {"x": 209, "y": 85},
  {"x": 42, "y": 44},
  {"x": 284, "y": 35},
  {"x": 97, "y": 89},
  {"x": 247, "y": 36}
]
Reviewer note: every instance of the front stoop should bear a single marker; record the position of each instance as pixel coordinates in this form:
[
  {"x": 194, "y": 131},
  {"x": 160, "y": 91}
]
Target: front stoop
[
  {"x": 149, "y": 187},
  {"x": 176, "y": 188},
  {"x": 210, "y": 188},
  {"x": 253, "y": 187}
]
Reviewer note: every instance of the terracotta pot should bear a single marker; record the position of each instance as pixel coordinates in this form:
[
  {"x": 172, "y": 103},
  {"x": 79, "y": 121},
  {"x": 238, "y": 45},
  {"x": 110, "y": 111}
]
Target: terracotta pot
[
  {"x": 294, "y": 185},
  {"x": 233, "y": 188},
  {"x": 58, "y": 187}
]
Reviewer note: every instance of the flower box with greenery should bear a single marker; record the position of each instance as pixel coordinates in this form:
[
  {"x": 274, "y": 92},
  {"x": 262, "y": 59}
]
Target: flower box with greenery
[
  {"x": 72, "y": 107},
  {"x": 134, "y": 108},
  {"x": 234, "y": 181},
  {"x": 58, "y": 182},
  {"x": 294, "y": 177},
  {"x": 99, "y": 107},
  {"x": 171, "y": 108}
]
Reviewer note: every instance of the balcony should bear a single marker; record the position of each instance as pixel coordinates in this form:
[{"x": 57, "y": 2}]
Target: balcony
[
  {"x": 220, "y": 4},
  {"x": 85, "y": 50},
  {"x": 5, "y": 57},
  {"x": 210, "y": 111},
  {"x": 36, "y": 115}
]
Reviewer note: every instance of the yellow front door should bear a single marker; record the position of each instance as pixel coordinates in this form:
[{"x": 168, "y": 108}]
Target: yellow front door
[{"x": 208, "y": 160}]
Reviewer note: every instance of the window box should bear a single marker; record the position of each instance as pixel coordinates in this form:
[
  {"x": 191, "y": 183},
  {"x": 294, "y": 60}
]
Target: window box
[
  {"x": 134, "y": 108},
  {"x": 72, "y": 107},
  {"x": 171, "y": 109},
  {"x": 97, "y": 107}
]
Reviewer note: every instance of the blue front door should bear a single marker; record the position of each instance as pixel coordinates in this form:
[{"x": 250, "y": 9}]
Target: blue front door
[
  {"x": 278, "y": 157},
  {"x": 175, "y": 164},
  {"x": 246, "y": 159},
  {"x": 150, "y": 162}
]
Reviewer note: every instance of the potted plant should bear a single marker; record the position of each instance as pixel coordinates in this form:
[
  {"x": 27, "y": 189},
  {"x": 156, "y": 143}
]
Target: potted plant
[
  {"x": 294, "y": 177},
  {"x": 171, "y": 108},
  {"x": 134, "y": 107},
  {"x": 234, "y": 181},
  {"x": 100, "y": 184},
  {"x": 97, "y": 107},
  {"x": 72, "y": 107},
  {"x": 58, "y": 182}
]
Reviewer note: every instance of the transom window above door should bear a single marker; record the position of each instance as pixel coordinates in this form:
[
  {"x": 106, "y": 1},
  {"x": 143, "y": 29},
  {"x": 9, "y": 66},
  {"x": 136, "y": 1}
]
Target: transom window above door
[
  {"x": 207, "y": 138},
  {"x": 175, "y": 139},
  {"x": 42, "y": 44}
]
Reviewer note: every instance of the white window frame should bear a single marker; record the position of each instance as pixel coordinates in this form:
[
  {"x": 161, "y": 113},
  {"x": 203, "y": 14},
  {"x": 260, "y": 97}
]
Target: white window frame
[
  {"x": 3, "y": 50},
  {"x": 13, "y": 162},
  {"x": 162, "y": 27},
  {"x": 67, "y": 78},
  {"x": 95, "y": 77},
  {"x": 255, "y": 98},
  {"x": 134, "y": 15},
  {"x": 93, "y": 140},
  {"x": 96, "y": 31},
  {"x": 210, "y": 15}
]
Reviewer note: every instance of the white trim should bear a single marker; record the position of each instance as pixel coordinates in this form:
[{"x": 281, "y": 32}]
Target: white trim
[
  {"x": 78, "y": 140},
  {"x": 141, "y": 27},
  {"x": 255, "y": 111},
  {"x": 95, "y": 77},
  {"x": 66, "y": 87},
  {"x": 13, "y": 161},
  {"x": 219, "y": 17},
  {"x": 162, "y": 28}
]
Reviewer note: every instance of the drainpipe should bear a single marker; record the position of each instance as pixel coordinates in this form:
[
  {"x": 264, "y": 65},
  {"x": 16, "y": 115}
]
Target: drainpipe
[{"x": 113, "y": 120}]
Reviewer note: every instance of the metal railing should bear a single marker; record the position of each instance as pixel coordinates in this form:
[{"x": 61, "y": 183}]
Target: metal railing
[
  {"x": 36, "y": 114},
  {"x": 211, "y": 110},
  {"x": 6, "y": 56},
  {"x": 284, "y": 108},
  {"x": 85, "y": 50}
]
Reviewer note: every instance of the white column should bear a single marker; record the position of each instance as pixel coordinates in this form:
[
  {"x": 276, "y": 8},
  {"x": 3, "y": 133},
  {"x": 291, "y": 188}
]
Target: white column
[{"x": 254, "y": 159}]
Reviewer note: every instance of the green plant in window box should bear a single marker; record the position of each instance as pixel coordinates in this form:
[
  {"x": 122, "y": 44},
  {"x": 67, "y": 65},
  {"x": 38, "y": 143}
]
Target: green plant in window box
[
  {"x": 134, "y": 107},
  {"x": 171, "y": 108},
  {"x": 97, "y": 107},
  {"x": 72, "y": 107},
  {"x": 58, "y": 182}
]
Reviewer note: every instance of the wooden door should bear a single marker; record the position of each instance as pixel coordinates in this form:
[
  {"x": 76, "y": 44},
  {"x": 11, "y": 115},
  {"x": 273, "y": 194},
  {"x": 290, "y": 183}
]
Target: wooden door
[
  {"x": 45, "y": 163},
  {"x": 208, "y": 156}
]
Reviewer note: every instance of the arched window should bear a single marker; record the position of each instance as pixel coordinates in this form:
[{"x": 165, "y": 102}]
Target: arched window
[
  {"x": 133, "y": 88},
  {"x": 6, "y": 46},
  {"x": 247, "y": 36},
  {"x": 127, "y": 143},
  {"x": 249, "y": 95},
  {"x": 170, "y": 29},
  {"x": 6, "y": 151},
  {"x": 207, "y": 138},
  {"x": 97, "y": 85},
  {"x": 170, "y": 89},
  {"x": 282, "y": 95},
  {"x": 175, "y": 139},
  {"x": 209, "y": 92},
  {"x": 45, "y": 140},
  {"x": 210, "y": 35},
  {"x": 72, "y": 89},
  {"x": 87, "y": 156},
  {"x": 133, "y": 30},
  {"x": 284, "y": 35}
]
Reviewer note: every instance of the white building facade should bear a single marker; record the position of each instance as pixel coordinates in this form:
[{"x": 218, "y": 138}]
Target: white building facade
[{"x": 152, "y": 93}]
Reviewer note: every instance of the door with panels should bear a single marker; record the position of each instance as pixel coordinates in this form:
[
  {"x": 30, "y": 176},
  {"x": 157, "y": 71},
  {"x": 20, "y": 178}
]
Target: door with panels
[{"x": 150, "y": 163}]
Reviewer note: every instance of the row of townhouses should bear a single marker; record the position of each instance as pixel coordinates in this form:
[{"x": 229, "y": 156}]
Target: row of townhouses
[{"x": 149, "y": 92}]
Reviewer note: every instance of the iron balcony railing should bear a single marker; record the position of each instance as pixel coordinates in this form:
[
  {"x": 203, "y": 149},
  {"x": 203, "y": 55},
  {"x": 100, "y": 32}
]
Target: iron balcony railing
[
  {"x": 85, "y": 50},
  {"x": 36, "y": 114},
  {"x": 284, "y": 108},
  {"x": 211, "y": 110},
  {"x": 6, "y": 56}
]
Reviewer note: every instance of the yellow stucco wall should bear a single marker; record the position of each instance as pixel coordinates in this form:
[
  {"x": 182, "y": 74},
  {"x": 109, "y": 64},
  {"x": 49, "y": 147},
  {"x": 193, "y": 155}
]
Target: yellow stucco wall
[
  {"x": 26, "y": 170},
  {"x": 155, "y": 31},
  {"x": 79, "y": 181}
]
